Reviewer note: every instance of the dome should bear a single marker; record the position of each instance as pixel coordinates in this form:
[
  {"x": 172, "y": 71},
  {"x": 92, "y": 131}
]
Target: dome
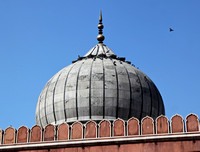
[{"x": 98, "y": 86}]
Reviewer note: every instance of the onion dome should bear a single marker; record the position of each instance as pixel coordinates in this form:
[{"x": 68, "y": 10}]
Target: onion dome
[{"x": 99, "y": 85}]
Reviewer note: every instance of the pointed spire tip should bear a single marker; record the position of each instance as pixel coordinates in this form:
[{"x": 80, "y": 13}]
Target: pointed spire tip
[
  {"x": 100, "y": 37},
  {"x": 100, "y": 17}
]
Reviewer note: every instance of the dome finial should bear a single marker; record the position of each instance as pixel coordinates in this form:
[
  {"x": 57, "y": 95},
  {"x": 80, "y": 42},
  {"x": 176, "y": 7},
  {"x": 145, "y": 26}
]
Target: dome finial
[{"x": 100, "y": 37}]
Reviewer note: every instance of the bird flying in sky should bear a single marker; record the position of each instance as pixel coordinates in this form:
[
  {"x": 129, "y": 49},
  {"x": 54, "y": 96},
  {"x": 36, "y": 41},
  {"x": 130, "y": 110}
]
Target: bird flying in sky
[{"x": 170, "y": 29}]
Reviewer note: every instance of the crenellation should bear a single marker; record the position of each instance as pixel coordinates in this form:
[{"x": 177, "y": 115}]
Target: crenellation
[
  {"x": 77, "y": 130},
  {"x": 147, "y": 126},
  {"x": 49, "y": 133},
  {"x": 9, "y": 135},
  {"x": 119, "y": 127},
  {"x": 133, "y": 126},
  {"x": 90, "y": 129},
  {"x": 36, "y": 134},
  {"x": 162, "y": 125},
  {"x": 22, "y": 135},
  {"x": 177, "y": 124},
  {"x": 93, "y": 130},
  {"x": 104, "y": 129},
  {"x": 63, "y": 132},
  {"x": 192, "y": 123}
]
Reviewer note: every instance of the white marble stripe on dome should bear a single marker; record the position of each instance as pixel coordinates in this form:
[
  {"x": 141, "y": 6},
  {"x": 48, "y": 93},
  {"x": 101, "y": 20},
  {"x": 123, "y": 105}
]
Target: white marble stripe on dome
[
  {"x": 44, "y": 105},
  {"x": 117, "y": 84},
  {"x": 97, "y": 89},
  {"x": 110, "y": 89},
  {"x": 136, "y": 90},
  {"x": 160, "y": 108},
  {"x": 90, "y": 88},
  {"x": 151, "y": 96},
  {"x": 38, "y": 117},
  {"x": 59, "y": 93},
  {"x": 64, "y": 91},
  {"x": 130, "y": 90},
  {"x": 124, "y": 90},
  {"x": 50, "y": 99},
  {"x": 71, "y": 92},
  {"x": 77, "y": 89},
  {"x": 37, "y": 112},
  {"x": 155, "y": 99},
  {"x": 104, "y": 84},
  {"x": 146, "y": 103},
  {"x": 54, "y": 110},
  {"x": 49, "y": 105},
  {"x": 83, "y": 89}
]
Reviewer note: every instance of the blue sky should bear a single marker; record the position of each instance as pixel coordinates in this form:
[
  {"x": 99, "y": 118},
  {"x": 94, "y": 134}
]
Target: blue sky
[{"x": 40, "y": 37}]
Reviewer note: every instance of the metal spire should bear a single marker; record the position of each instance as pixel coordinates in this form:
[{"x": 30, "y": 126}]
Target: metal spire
[{"x": 100, "y": 37}]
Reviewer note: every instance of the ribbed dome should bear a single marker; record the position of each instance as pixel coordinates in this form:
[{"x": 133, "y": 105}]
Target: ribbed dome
[{"x": 98, "y": 86}]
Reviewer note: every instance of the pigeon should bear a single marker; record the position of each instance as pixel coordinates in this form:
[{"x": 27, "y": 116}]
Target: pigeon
[{"x": 170, "y": 29}]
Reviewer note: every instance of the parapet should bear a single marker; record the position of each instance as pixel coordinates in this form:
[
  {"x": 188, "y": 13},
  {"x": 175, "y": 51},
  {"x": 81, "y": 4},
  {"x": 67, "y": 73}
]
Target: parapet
[{"x": 104, "y": 130}]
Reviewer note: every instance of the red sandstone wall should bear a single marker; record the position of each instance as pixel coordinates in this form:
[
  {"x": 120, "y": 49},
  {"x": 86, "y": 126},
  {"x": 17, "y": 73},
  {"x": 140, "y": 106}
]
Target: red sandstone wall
[
  {"x": 105, "y": 128},
  {"x": 178, "y": 146},
  {"x": 118, "y": 129}
]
